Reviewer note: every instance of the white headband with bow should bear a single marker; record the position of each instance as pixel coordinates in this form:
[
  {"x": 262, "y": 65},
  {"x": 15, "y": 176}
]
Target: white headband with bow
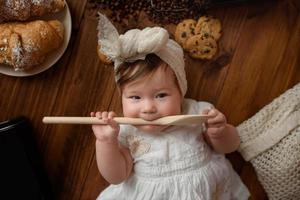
[{"x": 135, "y": 44}]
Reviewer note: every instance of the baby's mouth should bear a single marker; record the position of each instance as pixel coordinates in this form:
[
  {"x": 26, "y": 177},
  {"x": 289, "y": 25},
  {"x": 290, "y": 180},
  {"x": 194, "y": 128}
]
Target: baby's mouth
[
  {"x": 150, "y": 118},
  {"x": 151, "y": 128}
]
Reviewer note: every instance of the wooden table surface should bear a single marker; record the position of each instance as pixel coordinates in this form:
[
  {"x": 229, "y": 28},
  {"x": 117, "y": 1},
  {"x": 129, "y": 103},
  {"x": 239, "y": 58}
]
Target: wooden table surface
[{"x": 259, "y": 59}]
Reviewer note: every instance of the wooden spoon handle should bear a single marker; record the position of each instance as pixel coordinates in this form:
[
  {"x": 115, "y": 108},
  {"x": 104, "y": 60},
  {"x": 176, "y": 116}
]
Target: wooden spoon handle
[{"x": 93, "y": 120}]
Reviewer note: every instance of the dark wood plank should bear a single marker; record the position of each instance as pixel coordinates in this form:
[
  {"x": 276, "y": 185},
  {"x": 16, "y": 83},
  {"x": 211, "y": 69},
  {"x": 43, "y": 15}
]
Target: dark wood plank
[
  {"x": 77, "y": 9},
  {"x": 86, "y": 87},
  {"x": 265, "y": 59}
]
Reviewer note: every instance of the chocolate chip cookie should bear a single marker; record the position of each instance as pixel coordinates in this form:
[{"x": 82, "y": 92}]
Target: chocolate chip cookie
[
  {"x": 185, "y": 30},
  {"x": 201, "y": 46},
  {"x": 209, "y": 25}
]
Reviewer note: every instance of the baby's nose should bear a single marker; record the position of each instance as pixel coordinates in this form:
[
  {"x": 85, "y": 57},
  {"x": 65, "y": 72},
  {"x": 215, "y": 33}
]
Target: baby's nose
[{"x": 149, "y": 107}]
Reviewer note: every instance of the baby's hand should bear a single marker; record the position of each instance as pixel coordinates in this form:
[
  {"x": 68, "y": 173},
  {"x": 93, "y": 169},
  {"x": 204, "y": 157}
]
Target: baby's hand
[
  {"x": 108, "y": 132},
  {"x": 216, "y": 123}
]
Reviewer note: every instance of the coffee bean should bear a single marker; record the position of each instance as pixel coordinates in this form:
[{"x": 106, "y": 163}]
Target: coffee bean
[{"x": 161, "y": 12}]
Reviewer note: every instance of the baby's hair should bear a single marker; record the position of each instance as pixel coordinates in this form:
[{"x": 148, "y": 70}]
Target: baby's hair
[{"x": 128, "y": 72}]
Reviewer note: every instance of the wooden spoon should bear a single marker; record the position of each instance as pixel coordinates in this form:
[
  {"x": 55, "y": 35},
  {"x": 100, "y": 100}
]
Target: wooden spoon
[{"x": 169, "y": 120}]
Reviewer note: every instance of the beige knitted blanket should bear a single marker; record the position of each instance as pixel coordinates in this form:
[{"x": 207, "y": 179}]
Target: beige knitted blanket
[{"x": 270, "y": 140}]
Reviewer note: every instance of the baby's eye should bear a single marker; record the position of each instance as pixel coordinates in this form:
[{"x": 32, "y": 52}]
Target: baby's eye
[
  {"x": 161, "y": 95},
  {"x": 134, "y": 97}
]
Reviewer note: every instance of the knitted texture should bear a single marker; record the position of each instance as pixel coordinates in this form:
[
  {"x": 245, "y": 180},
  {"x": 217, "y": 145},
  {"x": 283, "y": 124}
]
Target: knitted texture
[{"x": 270, "y": 140}]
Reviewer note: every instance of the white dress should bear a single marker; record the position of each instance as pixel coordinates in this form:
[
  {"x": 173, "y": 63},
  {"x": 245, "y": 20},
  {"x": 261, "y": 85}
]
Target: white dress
[{"x": 177, "y": 164}]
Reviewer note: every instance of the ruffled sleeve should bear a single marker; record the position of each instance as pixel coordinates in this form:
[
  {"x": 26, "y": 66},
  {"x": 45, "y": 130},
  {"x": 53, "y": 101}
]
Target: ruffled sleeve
[{"x": 193, "y": 107}]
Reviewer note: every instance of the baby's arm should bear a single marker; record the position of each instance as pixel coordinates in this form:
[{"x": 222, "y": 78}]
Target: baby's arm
[
  {"x": 220, "y": 135},
  {"x": 114, "y": 161}
]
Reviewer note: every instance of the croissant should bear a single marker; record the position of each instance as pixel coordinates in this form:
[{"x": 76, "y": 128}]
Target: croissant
[
  {"x": 24, "y": 45},
  {"x": 21, "y": 10}
]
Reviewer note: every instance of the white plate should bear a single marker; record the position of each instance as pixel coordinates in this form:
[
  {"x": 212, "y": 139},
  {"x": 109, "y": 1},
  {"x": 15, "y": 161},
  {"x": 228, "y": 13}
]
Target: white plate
[{"x": 63, "y": 16}]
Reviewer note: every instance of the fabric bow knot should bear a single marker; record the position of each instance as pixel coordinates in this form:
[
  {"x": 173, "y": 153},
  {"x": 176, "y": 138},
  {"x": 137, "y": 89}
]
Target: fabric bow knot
[{"x": 135, "y": 44}]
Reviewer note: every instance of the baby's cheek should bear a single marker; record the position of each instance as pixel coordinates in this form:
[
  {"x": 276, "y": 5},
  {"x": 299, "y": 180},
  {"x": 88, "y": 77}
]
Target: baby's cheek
[
  {"x": 129, "y": 111},
  {"x": 172, "y": 108}
]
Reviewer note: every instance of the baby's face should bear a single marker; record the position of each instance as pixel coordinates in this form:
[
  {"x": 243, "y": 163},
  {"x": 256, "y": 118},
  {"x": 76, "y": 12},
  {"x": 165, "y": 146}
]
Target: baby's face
[{"x": 152, "y": 97}]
